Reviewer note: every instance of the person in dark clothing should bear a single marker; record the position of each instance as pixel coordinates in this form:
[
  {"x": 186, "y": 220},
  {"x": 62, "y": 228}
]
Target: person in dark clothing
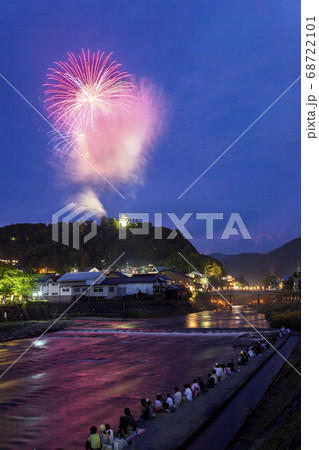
[
  {"x": 129, "y": 420},
  {"x": 122, "y": 427},
  {"x": 145, "y": 413},
  {"x": 202, "y": 385},
  {"x": 243, "y": 359},
  {"x": 210, "y": 381}
]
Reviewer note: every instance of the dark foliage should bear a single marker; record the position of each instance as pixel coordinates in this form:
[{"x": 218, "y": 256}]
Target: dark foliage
[{"x": 32, "y": 245}]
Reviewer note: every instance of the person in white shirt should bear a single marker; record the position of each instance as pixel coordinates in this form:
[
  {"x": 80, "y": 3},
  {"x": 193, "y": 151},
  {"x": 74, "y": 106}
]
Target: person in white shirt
[
  {"x": 170, "y": 403},
  {"x": 219, "y": 371},
  {"x": 188, "y": 393},
  {"x": 158, "y": 405},
  {"x": 177, "y": 397},
  {"x": 251, "y": 353},
  {"x": 195, "y": 388},
  {"x": 106, "y": 437}
]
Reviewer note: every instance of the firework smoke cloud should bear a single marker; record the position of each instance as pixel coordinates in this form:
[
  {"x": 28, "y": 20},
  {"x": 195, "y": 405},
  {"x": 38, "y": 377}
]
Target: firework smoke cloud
[{"x": 105, "y": 122}]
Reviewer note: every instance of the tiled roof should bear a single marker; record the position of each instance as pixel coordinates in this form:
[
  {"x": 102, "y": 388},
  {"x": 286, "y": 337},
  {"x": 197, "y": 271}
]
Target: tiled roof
[
  {"x": 88, "y": 269},
  {"x": 131, "y": 280},
  {"x": 46, "y": 277},
  {"x": 80, "y": 276},
  {"x": 175, "y": 271},
  {"x": 159, "y": 268},
  {"x": 118, "y": 274}
]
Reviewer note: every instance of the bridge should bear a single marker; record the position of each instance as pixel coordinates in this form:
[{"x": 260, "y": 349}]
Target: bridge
[{"x": 255, "y": 297}]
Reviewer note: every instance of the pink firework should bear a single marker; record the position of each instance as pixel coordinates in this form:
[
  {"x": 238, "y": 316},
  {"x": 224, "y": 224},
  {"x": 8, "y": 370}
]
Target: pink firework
[
  {"x": 85, "y": 88},
  {"x": 104, "y": 124}
]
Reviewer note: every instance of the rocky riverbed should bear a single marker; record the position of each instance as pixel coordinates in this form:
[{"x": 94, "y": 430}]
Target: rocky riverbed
[{"x": 21, "y": 330}]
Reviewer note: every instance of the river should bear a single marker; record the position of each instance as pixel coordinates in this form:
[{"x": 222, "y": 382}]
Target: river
[{"x": 86, "y": 375}]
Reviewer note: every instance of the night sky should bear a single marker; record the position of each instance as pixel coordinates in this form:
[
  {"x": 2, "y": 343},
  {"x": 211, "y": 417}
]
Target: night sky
[{"x": 218, "y": 64}]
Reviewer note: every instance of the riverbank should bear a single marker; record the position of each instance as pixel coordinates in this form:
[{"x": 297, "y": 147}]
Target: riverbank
[
  {"x": 10, "y": 331},
  {"x": 113, "y": 364},
  {"x": 178, "y": 430},
  {"x": 275, "y": 422},
  {"x": 283, "y": 314}
]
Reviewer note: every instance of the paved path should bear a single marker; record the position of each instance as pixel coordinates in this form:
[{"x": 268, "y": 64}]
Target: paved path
[
  {"x": 224, "y": 428},
  {"x": 174, "y": 430}
]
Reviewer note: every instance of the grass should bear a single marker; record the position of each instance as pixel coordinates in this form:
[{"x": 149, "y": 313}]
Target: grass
[
  {"x": 275, "y": 423},
  {"x": 283, "y": 314}
]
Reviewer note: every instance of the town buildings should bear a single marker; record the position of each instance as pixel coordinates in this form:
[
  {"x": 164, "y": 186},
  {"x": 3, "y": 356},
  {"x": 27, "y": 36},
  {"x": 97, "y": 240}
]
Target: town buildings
[{"x": 95, "y": 285}]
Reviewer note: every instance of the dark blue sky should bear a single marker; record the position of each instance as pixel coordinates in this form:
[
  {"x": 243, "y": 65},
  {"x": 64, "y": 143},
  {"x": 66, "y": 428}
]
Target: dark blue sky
[{"x": 219, "y": 64}]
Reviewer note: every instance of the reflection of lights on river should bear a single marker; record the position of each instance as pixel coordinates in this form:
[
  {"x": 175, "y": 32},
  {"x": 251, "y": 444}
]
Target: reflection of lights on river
[
  {"x": 40, "y": 343},
  {"x": 38, "y": 375},
  {"x": 192, "y": 322}
]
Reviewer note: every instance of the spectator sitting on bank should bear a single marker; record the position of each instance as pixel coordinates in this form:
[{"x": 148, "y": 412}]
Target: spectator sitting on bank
[
  {"x": 177, "y": 397},
  {"x": 219, "y": 371},
  {"x": 231, "y": 365},
  {"x": 224, "y": 373},
  {"x": 210, "y": 383},
  {"x": 122, "y": 427},
  {"x": 151, "y": 408},
  {"x": 122, "y": 443},
  {"x": 195, "y": 388},
  {"x": 258, "y": 348},
  {"x": 230, "y": 368},
  {"x": 214, "y": 377},
  {"x": 145, "y": 411},
  {"x": 202, "y": 385},
  {"x": 188, "y": 392},
  {"x": 242, "y": 360},
  {"x": 158, "y": 406},
  {"x": 105, "y": 438},
  {"x": 251, "y": 352},
  {"x": 129, "y": 420},
  {"x": 93, "y": 441},
  {"x": 170, "y": 404},
  {"x": 110, "y": 434}
]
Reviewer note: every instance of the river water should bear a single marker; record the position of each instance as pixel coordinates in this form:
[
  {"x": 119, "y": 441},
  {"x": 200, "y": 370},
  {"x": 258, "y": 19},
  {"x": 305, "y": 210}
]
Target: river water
[{"x": 87, "y": 375}]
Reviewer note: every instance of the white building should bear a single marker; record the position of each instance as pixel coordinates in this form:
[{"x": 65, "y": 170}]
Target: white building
[
  {"x": 90, "y": 286},
  {"x": 70, "y": 285}
]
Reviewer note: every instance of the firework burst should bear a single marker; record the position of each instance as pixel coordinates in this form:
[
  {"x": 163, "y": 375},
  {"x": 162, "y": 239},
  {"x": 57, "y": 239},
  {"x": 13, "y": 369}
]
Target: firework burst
[
  {"x": 105, "y": 124},
  {"x": 85, "y": 88}
]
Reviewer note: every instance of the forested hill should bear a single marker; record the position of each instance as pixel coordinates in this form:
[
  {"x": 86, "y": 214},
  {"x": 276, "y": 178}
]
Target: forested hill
[
  {"x": 255, "y": 267},
  {"x": 32, "y": 245}
]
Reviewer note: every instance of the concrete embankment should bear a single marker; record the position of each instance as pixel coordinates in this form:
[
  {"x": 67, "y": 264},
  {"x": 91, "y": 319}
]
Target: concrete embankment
[
  {"x": 179, "y": 429},
  {"x": 24, "y": 312}
]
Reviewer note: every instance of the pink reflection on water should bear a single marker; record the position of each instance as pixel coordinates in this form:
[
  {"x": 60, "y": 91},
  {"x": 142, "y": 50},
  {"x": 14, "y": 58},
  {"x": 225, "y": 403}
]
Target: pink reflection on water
[{"x": 75, "y": 379}]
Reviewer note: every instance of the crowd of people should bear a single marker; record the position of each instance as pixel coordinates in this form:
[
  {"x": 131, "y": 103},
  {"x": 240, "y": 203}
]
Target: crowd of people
[{"x": 128, "y": 428}]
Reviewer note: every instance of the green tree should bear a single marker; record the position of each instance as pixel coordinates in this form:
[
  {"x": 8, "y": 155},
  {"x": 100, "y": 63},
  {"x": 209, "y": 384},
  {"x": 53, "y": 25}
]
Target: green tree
[
  {"x": 214, "y": 270},
  {"x": 16, "y": 284}
]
